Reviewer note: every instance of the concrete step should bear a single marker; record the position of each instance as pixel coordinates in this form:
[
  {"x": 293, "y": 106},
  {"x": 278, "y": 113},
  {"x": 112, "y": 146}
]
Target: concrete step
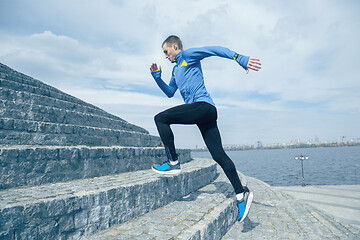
[
  {"x": 24, "y": 132},
  {"x": 207, "y": 213},
  {"x": 37, "y": 165},
  {"x": 41, "y": 90},
  {"x": 25, "y": 97},
  {"x": 10, "y": 74},
  {"x": 19, "y": 87},
  {"x": 70, "y": 210},
  {"x": 34, "y": 112}
]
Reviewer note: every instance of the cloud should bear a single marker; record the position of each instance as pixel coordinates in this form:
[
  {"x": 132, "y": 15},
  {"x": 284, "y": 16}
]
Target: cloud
[
  {"x": 61, "y": 60},
  {"x": 102, "y": 53}
]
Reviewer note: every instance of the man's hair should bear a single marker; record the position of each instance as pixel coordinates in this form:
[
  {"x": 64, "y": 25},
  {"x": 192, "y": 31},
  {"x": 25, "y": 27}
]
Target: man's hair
[{"x": 173, "y": 39}]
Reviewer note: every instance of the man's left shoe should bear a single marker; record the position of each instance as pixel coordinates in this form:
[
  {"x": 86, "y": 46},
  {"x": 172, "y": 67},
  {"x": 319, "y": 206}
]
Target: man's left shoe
[
  {"x": 244, "y": 204},
  {"x": 167, "y": 169}
]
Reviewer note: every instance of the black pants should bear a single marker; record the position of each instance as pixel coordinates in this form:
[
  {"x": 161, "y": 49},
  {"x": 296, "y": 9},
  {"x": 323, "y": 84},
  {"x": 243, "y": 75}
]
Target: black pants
[{"x": 204, "y": 115}]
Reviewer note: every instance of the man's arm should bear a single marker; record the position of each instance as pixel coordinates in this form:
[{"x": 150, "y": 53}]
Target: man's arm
[
  {"x": 192, "y": 55},
  {"x": 170, "y": 89}
]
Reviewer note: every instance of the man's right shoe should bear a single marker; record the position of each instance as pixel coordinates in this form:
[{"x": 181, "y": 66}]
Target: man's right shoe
[
  {"x": 167, "y": 169},
  {"x": 244, "y": 204}
]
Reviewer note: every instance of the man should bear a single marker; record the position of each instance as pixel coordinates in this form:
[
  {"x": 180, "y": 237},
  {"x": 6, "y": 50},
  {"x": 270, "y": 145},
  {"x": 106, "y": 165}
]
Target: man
[{"x": 198, "y": 109}]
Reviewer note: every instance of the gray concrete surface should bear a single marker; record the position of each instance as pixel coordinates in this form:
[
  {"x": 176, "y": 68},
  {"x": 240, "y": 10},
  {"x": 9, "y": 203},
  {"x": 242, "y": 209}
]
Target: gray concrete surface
[
  {"x": 23, "y": 165},
  {"x": 275, "y": 214},
  {"x": 69, "y": 210},
  {"x": 209, "y": 212},
  {"x": 339, "y": 201}
]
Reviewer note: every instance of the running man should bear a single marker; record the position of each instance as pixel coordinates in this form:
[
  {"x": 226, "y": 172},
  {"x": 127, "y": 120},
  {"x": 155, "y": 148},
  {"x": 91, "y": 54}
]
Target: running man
[{"x": 198, "y": 109}]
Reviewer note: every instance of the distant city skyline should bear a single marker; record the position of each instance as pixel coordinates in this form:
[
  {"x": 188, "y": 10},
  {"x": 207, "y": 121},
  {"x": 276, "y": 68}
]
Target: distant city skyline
[
  {"x": 260, "y": 144},
  {"x": 101, "y": 52},
  {"x": 236, "y": 147}
]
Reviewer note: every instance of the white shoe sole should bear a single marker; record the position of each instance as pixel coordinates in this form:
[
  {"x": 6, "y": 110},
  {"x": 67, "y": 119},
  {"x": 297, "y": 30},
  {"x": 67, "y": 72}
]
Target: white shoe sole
[
  {"x": 171, "y": 172},
  {"x": 247, "y": 207}
]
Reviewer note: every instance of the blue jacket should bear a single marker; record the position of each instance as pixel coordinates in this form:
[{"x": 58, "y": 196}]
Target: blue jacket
[{"x": 187, "y": 73}]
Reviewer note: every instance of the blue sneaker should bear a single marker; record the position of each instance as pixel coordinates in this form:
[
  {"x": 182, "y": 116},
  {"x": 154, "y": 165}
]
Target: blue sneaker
[
  {"x": 244, "y": 204},
  {"x": 167, "y": 168}
]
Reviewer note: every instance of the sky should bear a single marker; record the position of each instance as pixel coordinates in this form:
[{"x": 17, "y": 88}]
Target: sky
[{"x": 101, "y": 51}]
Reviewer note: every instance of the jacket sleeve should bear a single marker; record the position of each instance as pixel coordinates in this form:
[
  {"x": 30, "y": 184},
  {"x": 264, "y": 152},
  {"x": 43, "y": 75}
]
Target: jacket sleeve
[
  {"x": 170, "y": 89},
  {"x": 193, "y": 55}
]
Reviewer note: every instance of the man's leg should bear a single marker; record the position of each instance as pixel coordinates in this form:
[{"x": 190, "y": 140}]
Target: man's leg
[
  {"x": 212, "y": 138},
  {"x": 182, "y": 114}
]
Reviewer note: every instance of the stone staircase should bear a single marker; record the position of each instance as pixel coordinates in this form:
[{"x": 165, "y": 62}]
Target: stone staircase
[
  {"x": 70, "y": 170},
  {"x": 35, "y": 113}
]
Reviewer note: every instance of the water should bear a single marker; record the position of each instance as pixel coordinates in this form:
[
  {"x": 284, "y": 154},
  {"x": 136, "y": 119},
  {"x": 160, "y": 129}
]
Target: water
[{"x": 277, "y": 167}]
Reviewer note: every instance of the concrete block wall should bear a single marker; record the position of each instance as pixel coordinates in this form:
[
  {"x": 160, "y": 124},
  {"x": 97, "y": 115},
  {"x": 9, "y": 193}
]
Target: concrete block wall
[
  {"x": 32, "y": 112},
  {"x": 32, "y": 98},
  {"x": 16, "y": 80},
  {"x": 18, "y": 131},
  {"x": 75, "y": 209},
  {"x": 36, "y": 165},
  {"x": 35, "y": 112}
]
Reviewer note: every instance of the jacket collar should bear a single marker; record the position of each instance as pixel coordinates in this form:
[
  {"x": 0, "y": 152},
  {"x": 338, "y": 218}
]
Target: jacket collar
[{"x": 178, "y": 58}]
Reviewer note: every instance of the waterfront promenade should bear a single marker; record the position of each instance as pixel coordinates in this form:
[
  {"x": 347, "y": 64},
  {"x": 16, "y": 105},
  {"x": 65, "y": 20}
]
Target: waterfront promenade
[
  {"x": 340, "y": 201},
  {"x": 208, "y": 213},
  {"x": 282, "y": 213}
]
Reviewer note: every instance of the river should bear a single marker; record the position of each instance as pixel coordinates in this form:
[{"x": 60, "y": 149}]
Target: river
[{"x": 278, "y": 167}]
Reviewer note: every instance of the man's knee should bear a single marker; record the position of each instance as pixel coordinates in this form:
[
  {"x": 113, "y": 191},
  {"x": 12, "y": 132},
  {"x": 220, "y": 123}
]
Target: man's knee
[{"x": 159, "y": 118}]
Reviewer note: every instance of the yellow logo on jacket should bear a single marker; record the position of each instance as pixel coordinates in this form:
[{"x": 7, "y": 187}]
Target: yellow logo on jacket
[{"x": 184, "y": 63}]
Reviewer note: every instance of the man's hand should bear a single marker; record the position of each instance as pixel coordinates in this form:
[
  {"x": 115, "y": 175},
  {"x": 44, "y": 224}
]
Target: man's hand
[
  {"x": 253, "y": 64},
  {"x": 154, "y": 68}
]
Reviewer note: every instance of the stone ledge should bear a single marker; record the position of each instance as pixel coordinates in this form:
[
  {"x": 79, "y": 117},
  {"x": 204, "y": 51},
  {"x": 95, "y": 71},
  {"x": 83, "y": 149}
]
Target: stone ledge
[
  {"x": 12, "y": 75},
  {"x": 207, "y": 213},
  {"x": 14, "y": 95},
  {"x": 82, "y": 207},
  {"x": 9, "y": 74},
  {"x": 36, "y": 165},
  {"x": 40, "y": 91},
  {"x": 33, "y": 112},
  {"x": 18, "y": 131}
]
